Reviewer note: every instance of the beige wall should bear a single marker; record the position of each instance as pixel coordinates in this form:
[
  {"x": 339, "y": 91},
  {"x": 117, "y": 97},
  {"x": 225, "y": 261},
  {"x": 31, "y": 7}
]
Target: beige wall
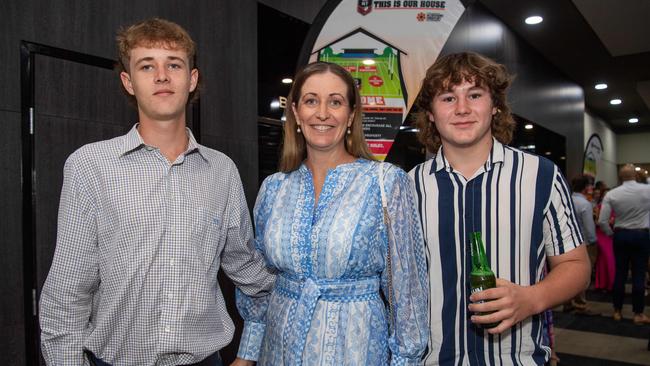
[{"x": 633, "y": 148}]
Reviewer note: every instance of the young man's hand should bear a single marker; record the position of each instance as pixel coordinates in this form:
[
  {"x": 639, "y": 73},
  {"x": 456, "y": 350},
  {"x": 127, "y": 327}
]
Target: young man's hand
[{"x": 508, "y": 302}]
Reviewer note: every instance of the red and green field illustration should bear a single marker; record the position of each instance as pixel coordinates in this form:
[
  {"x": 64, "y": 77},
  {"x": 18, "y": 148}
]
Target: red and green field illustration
[{"x": 374, "y": 64}]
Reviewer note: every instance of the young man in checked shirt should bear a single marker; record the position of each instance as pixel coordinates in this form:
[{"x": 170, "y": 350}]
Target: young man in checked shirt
[
  {"x": 519, "y": 202},
  {"x": 145, "y": 222}
]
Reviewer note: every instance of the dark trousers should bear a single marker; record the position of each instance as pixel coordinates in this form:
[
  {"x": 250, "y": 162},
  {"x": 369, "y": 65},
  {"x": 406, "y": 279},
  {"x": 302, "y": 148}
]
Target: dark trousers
[
  {"x": 631, "y": 246},
  {"x": 212, "y": 360}
]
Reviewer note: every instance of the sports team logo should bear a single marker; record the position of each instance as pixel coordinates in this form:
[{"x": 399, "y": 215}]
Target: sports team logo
[{"x": 364, "y": 6}]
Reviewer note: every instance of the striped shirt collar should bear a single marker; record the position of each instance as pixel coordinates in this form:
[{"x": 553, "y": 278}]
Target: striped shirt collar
[
  {"x": 133, "y": 141},
  {"x": 496, "y": 156}
]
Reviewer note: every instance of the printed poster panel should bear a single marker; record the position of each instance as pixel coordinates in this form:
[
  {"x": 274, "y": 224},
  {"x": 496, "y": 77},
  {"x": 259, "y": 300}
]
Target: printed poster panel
[
  {"x": 387, "y": 47},
  {"x": 593, "y": 155}
]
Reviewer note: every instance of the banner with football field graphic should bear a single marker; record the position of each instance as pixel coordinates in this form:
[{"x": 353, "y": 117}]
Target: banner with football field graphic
[{"x": 387, "y": 46}]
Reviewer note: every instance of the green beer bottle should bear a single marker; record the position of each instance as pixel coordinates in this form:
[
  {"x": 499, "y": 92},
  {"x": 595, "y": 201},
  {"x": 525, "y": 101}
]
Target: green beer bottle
[{"x": 481, "y": 278}]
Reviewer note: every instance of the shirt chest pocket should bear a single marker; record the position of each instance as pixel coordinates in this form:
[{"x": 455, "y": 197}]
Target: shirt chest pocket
[{"x": 208, "y": 228}]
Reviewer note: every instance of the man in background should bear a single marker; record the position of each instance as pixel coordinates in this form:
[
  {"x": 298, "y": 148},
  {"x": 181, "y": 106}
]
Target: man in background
[
  {"x": 631, "y": 205},
  {"x": 581, "y": 188}
]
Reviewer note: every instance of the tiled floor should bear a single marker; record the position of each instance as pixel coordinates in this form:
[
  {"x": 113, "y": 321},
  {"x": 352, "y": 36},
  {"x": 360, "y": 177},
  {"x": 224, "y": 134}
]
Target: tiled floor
[{"x": 600, "y": 340}]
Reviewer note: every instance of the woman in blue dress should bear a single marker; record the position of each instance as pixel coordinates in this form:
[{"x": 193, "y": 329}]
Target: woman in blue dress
[{"x": 319, "y": 223}]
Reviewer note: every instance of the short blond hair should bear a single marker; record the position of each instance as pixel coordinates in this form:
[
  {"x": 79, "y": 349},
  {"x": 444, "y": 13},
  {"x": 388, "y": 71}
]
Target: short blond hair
[{"x": 151, "y": 33}]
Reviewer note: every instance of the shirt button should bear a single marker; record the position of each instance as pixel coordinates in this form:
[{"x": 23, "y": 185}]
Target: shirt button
[
  {"x": 168, "y": 329},
  {"x": 170, "y": 296},
  {"x": 171, "y": 262}
]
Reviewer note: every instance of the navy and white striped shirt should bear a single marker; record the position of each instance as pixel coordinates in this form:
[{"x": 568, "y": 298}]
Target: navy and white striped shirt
[{"x": 522, "y": 206}]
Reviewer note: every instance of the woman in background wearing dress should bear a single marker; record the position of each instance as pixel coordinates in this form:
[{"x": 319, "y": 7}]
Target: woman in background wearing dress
[
  {"x": 319, "y": 223},
  {"x": 605, "y": 263}
]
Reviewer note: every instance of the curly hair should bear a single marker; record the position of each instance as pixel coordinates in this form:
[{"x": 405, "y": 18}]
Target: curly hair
[
  {"x": 294, "y": 146},
  {"x": 454, "y": 69},
  {"x": 154, "y": 32}
]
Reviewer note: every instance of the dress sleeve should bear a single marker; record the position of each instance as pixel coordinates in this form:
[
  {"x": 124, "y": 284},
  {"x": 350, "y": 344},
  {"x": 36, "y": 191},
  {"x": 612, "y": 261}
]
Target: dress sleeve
[
  {"x": 66, "y": 299},
  {"x": 410, "y": 286},
  {"x": 561, "y": 230},
  {"x": 253, "y": 308}
]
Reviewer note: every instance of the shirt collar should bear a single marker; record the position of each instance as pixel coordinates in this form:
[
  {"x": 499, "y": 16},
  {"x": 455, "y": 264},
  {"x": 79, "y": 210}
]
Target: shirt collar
[
  {"x": 579, "y": 195},
  {"x": 133, "y": 141},
  {"x": 497, "y": 153}
]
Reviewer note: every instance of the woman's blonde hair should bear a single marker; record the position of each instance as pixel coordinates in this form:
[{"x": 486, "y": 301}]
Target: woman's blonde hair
[
  {"x": 453, "y": 70},
  {"x": 294, "y": 150}
]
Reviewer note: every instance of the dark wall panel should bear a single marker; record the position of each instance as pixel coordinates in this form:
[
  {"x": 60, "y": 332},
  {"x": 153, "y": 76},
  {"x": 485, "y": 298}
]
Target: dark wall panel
[
  {"x": 12, "y": 342},
  {"x": 16, "y": 23},
  {"x": 303, "y": 10},
  {"x": 229, "y": 99},
  {"x": 72, "y": 90}
]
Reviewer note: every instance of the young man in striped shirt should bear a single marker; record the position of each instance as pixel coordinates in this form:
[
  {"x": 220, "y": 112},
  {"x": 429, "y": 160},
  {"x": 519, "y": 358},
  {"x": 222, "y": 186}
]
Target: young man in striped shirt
[{"x": 518, "y": 201}]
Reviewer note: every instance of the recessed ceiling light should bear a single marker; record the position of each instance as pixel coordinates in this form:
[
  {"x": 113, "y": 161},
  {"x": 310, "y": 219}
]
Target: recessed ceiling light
[
  {"x": 287, "y": 81},
  {"x": 633, "y": 120},
  {"x": 275, "y": 104},
  {"x": 528, "y": 126},
  {"x": 562, "y": 157},
  {"x": 601, "y": 86},
  {"x": 638, "y": 169},
  {"x": 615, "y": 101},
  {"x": 547, "y": 153},
  {"x": 535, "y": 19}
]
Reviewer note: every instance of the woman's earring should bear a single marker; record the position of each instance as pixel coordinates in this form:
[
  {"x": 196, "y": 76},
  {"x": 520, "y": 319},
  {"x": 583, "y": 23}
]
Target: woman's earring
[
  {"x": 298, "y": 129},
  {"x": 349, "y": 132}
]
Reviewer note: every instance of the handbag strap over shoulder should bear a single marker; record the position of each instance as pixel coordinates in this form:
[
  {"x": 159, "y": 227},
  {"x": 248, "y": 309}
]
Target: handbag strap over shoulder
[{"x": 389, "y": 266}]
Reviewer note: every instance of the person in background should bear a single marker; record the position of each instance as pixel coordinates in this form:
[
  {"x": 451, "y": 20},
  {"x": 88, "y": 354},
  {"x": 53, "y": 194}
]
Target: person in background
[
  {"x": 518, "y": 201},
  {"x": 631, "y": 204},
  {"x": 145, "y": 223},
  {"x": 605, "y": 263},
  {"x": 581, "y": 188},
  {"x": 319, "y": 223}
]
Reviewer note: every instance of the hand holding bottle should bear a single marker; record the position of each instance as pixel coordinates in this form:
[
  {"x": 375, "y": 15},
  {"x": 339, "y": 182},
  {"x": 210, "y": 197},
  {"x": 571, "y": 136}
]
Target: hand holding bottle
[{"x": 507, "y": 305}]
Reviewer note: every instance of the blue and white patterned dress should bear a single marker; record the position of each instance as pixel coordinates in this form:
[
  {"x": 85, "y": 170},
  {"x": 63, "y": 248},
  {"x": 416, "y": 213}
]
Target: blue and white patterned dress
[{"x": 326, "y": 308}]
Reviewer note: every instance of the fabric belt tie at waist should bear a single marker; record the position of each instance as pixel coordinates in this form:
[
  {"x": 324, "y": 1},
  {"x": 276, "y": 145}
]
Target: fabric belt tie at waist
[{"x": 308, "y": 292}]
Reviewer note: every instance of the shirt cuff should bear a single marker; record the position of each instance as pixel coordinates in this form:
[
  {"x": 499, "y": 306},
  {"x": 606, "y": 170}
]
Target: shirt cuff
[
  {"x": 251, "y": 341},
  {"x": 397, "y": 360}
]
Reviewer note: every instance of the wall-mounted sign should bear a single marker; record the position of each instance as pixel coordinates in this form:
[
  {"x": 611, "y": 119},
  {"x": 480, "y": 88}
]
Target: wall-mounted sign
[
  {"x": 593, "y": 154},
  {"x": 387, "y": 47}
]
